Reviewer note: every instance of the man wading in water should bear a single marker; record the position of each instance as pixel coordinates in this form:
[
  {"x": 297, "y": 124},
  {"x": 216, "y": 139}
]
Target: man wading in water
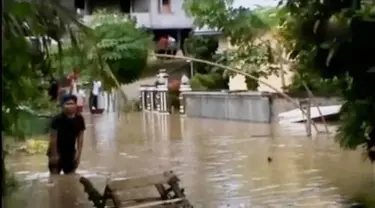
[{"x": 67, "y": 131}]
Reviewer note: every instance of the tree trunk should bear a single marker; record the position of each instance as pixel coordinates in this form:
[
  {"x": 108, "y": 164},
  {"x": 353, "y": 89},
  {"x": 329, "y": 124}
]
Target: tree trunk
[{"x": 2, "y": 137}]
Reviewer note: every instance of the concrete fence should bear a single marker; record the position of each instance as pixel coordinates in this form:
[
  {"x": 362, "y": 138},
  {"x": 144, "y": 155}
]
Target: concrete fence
[
  {"x": 257, "y": 107},
  {"x": 241, "y": 106}
]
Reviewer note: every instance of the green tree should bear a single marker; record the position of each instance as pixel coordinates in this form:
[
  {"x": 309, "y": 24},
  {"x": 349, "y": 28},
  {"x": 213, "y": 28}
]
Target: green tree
[
  {"x": 27, "y": 64},
  {"x": 118, "y": 41},
  {"x": 333, "y": 39},
  {"x": 122, "y": 45},
  {"x": 202, "y": 47},
  {"x": 206, "y": 77},
  {"x": 242, "y": 27}
]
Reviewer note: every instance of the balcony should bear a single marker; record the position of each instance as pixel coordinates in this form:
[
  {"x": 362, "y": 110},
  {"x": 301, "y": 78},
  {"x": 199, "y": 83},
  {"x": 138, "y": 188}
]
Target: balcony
[
  {"x": 163, "y": 21},
  {"x": 155, "y": 21},
  {"x": 170, "y": 21},
  {"x": 143, "y": 19}
]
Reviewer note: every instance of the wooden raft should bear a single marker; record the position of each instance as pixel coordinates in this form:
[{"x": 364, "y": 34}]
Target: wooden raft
[{"x": 167, "y": 185}]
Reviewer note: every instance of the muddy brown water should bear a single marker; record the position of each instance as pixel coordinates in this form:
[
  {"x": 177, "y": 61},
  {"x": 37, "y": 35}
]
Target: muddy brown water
[{"x": 220, "y": 163}]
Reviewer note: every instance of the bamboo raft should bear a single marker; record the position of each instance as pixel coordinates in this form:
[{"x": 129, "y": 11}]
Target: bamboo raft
[{"x": 167, "y": 185}]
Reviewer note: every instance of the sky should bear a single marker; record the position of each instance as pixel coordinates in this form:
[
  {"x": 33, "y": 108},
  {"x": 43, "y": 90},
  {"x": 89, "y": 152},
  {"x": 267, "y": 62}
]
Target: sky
[{"x": 252, "y": 4}]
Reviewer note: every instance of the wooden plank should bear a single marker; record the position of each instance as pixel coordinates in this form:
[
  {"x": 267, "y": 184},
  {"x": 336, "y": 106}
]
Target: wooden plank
[
  {"x": 145, "y": 199},
  {"x": 152, "y": 204},
  {"x": 111, "y": 194},
  {"x": 92, "y": 192},
  {"x": 161, "y": 189},
  {"x": 131, "y": 183},
  {"x": 135, "y": 201}
]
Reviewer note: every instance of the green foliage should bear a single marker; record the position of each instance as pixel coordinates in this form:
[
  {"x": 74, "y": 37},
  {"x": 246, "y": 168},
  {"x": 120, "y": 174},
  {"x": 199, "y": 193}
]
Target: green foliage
[
  {"x": 269, "y": 16},
  {"x": 26, "y": 68},
  {"x": 333, "y": 38},
  {"x": 211, "y": 81},
  {"x": 364, "y": 198},
  {"x": 27, "y": 65},
  {"x": 31, "y": 146},
  {"x": 122, "y": 45},
  {"x": 28, "y": 28},
  {"x": 201, "y": 46},
  {"x": 240, "y": 24},
  {"x": 243, "y": 28},
  {"x": 315, "y": 83},
  {"x": 206, "y": 77}
]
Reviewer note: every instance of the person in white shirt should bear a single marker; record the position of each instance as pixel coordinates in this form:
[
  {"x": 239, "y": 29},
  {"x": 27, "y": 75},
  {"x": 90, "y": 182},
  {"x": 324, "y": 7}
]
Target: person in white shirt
[
  {"x": 95, "y": 93},
  {"x": 171, "y": 41},
  {"x": 171, "y": 46}
]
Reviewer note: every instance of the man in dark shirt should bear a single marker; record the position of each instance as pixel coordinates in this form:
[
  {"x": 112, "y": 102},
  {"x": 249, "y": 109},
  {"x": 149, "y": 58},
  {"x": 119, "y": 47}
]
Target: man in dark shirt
[{"x": 67, "y": 131}]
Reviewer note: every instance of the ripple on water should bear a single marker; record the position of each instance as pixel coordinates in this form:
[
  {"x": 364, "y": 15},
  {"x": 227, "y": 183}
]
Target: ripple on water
[
  {"x": 216, "y": 170},
  {"x": 128, "y": 156}
]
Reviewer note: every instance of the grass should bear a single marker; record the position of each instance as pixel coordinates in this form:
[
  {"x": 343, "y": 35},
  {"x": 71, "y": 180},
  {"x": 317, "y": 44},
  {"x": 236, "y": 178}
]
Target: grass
[{"x": 32, "y": 145}]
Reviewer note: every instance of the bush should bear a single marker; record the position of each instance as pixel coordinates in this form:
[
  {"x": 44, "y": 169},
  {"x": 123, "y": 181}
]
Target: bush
[
  {"x": 211, "y": 81},
  {"x": 132, "y": 106}
]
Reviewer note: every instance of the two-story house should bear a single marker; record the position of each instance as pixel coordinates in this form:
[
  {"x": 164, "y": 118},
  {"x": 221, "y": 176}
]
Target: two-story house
[{"x": 165, "y": 18}]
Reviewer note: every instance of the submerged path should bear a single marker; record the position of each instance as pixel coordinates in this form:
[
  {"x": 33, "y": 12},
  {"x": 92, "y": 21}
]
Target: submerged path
[{"x": 221, "y": 163}]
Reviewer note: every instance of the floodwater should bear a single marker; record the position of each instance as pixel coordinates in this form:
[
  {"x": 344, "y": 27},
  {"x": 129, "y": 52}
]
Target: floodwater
[{"x": 220, "y": 163}]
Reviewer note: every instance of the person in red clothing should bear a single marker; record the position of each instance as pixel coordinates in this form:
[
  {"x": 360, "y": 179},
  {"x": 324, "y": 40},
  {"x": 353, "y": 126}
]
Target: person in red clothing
[
  {"x": 73, "y": 76},
  {"x": 163, "y": 42},
  {"x": 162, "y": 45}
]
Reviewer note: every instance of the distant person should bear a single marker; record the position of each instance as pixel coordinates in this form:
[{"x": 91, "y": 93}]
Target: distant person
[
  {"x": 73, "y": 80},
  {"x": 65, "y": 146},
  {"x": 171, "y": 41},
  {"x": 171, "y": 46},
  {"x": 162, "y": 45},
  {"x": 163, "y": 42},
  {"x": 97, "y": 85},
  {"x": 81, "y": 97}
]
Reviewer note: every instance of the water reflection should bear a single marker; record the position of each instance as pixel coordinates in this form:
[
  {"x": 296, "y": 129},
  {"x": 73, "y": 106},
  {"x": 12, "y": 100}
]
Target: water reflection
[{"x": 221, "y": 163}]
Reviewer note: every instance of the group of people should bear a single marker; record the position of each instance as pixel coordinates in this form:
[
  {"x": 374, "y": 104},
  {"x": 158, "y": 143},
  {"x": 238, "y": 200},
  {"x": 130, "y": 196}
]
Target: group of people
[
  {"x": 166, "y": 45},
  {"x": 70, "y": 85}
]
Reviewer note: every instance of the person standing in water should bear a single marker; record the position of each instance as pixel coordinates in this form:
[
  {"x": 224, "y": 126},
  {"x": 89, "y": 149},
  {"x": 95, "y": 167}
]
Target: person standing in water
[
  {"x": 95, "y": 93},
  {"x": 65, "y": 146}
]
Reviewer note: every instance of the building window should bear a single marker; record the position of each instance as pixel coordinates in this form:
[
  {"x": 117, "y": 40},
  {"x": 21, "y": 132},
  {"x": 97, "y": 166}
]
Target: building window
[
  {"x": 165, "y": 6},
  {"x": 140, "y": 6}
]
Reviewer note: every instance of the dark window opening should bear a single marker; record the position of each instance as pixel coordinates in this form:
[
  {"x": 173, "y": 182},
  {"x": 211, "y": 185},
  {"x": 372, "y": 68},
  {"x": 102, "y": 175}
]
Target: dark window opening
[
  {"x": 166, "y": 2},
  {"x": 140, "y": 6},
  {"x": 79, "y": 4},
  {"x": 165, "y": 6},
  {"x": 125, "y": 6}
]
